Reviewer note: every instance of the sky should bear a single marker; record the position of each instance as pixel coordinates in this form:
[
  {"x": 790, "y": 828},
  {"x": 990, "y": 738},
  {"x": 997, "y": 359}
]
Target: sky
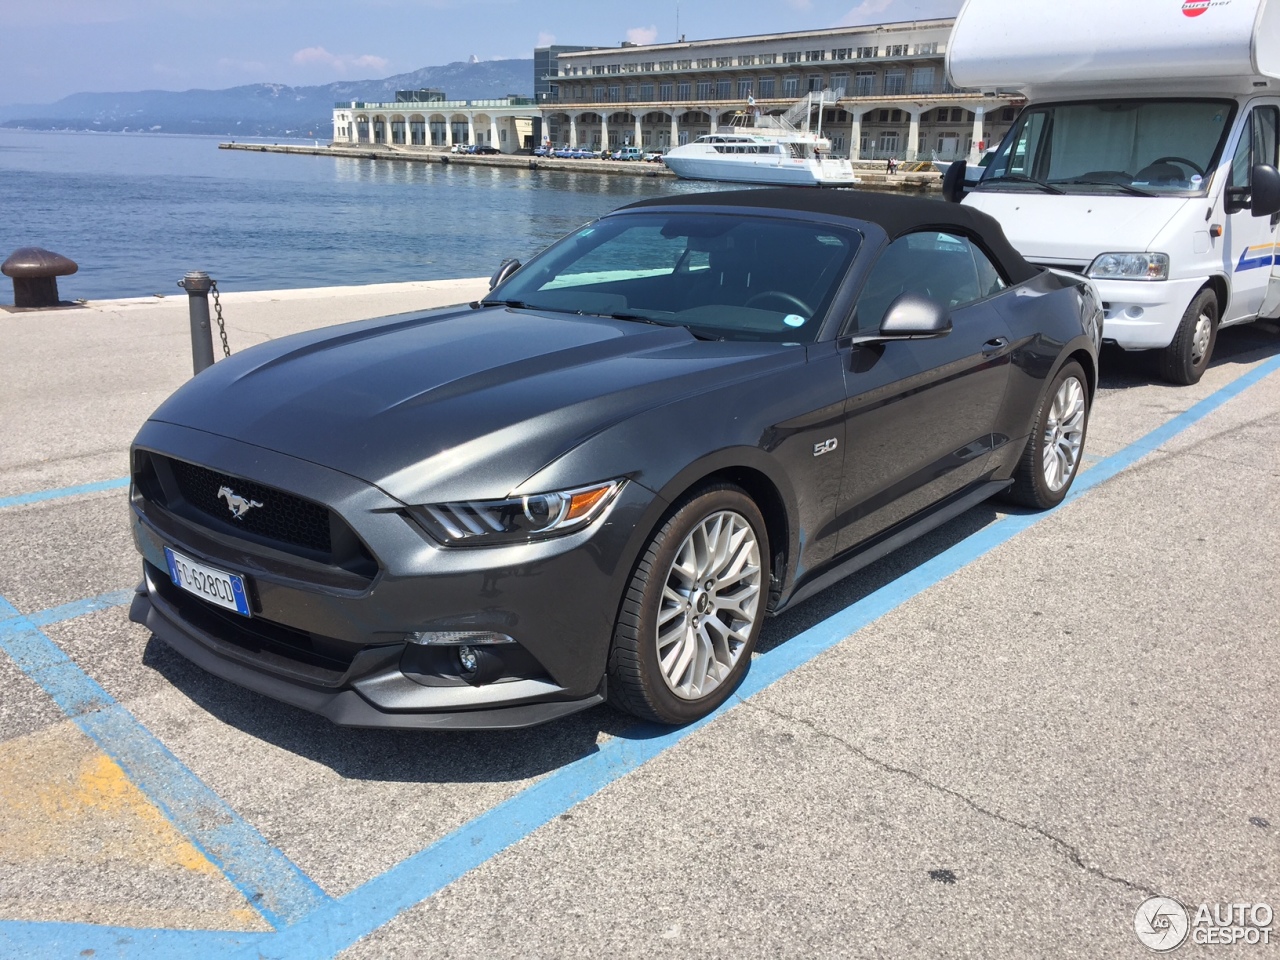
[{"x": 52, "y": 48}]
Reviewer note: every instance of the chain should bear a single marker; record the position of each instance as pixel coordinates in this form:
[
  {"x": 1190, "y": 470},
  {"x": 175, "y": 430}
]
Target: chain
[{"x": 222, "y": 327}]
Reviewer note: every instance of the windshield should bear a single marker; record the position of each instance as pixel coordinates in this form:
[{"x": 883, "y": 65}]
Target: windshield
[
  {"x": 728, "y": 276},
  {"x": 1136, "y": 147}
]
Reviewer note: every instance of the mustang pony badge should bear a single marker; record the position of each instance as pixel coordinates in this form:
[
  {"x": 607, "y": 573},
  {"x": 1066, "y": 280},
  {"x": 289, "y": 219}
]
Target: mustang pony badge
[{"x": 237, "y": 504}]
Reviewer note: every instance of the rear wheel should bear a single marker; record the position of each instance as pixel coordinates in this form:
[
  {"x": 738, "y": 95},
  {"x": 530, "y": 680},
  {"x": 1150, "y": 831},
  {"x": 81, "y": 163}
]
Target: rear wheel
[
  {"x": 1186, "y": 358},
  {"x": 1051, "y": 459},
  {"x": 692, "y": 611}
]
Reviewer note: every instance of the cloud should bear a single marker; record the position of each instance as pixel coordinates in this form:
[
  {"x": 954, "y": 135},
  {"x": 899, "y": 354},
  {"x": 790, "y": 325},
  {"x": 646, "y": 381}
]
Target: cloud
[
  {"x": 545, "y": 39},
  {"x": 339, "y": 63},
  {"x": 868, "y": 11},
  {"x": 642, "y": 35}
]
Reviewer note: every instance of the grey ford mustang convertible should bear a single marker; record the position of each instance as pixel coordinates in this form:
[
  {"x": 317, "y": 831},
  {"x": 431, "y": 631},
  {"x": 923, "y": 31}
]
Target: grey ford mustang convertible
[{"x": 598, "y": 481}]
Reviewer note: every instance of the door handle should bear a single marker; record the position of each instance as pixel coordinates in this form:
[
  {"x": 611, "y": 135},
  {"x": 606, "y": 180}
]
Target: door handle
[{"x": 992, "y": 347}]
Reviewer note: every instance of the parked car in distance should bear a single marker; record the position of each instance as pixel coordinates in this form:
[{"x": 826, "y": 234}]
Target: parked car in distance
[
  {"x": 597, "y": 481},
  {"x": 575, "y": 153},
  {"x": 653, "y": 156},
  {"x": 485, "y": 149},
  {"x": 628, "y": 153}
]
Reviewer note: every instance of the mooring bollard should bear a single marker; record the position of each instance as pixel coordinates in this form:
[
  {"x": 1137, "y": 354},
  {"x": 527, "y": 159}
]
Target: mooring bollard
[
  {"x": 197, "y": 283},
  {"x": 35, "y": 272}
]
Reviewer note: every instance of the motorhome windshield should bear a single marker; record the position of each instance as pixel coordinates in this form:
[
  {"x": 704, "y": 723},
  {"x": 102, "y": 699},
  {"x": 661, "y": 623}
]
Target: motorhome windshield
[{"x": 1136, "y": 147}]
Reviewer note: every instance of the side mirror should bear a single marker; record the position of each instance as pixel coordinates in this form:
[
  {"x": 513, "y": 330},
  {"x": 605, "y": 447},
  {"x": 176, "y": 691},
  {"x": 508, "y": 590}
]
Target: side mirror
[
  {"x": 505, "y": 269},
  {"x": 913, "y": 317},
  {"x": 953, "y": 186},
  {"x": 1266, "y": 190}
]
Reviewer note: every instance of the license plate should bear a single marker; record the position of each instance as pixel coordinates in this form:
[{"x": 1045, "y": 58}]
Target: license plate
[{"x": 216, "y": 586}]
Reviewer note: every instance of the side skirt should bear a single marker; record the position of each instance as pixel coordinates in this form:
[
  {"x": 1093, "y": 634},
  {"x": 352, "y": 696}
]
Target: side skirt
[{"x": 864, "y": 556}]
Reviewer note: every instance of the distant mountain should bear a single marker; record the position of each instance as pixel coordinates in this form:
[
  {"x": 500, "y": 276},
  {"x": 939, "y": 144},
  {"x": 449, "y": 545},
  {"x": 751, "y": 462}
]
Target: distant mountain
[{"x": 263, "y": 109}]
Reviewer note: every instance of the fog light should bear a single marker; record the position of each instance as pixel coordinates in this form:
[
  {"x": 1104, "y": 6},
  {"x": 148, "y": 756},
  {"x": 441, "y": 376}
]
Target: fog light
[
  {"x": 468, "y": 659},
  {"x": 478, "y": 665}
]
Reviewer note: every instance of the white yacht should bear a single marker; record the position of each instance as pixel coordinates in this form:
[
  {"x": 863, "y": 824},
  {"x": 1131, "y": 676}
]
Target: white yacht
[{"x": 773, "y": 157}]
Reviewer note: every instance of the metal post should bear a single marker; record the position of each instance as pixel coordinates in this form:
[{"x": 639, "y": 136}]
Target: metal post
[{"x": 197, "y": 284}]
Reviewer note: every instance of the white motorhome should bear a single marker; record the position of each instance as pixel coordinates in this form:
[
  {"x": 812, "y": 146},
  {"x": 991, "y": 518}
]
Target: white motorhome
[{"x": 1145, "y": 157}]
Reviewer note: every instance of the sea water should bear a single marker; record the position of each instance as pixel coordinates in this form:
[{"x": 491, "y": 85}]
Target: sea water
[{"x": 137, "y": 211}]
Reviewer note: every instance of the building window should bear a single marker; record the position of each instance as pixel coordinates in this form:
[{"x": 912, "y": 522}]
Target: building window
[
  {"x": 926, "y": 49},
  {"x": 745, "y": 88},
  {"x": 704, "y": 89},
  {"x": 664, "y": 91},
  {"x": 895, "y": 83},
  {"x": 767, "y": 85},
  {"x": 768, "y": 58},
  {"x": 922, "y": 80},
  {"x": 792, "y": 57},
  {"x": 684, "y": 64},
  {"x": 841, "y": 53},
  {"x": 868, "y": 52},
  {"x": 864, "y": 83},
  {"x": 896, "y": 50},
  {"x": 814, "y": 83},
  {"x": 647, "y": 67},
  {"x": 631, "y": 91},
  {"x": 646, "y": 91},
  {"x": 597, "y": 71},
  {"x": 704, "y": 63},
  {"x": 666, "y": 64},
  {"x": 724, "y": 89},
  {"x": 630, "y": 67},
  {"x": 615, "y": 93},
  {"x": 683, "y": 90},
  {"x": 839, "y": 81},
  {"x": 812, "y": 56},
  {"x": 791, "y": 87},
  {"x": 615, "y": 68},
  {"x": 597, "y": 93},
  {"x": 1006, "y": 115},
  {"x": 748, "y": 60},
  {"x": 724, "y": 61}
]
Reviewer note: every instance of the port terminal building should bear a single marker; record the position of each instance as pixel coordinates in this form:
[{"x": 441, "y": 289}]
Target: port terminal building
[{"x": 876, "y": 91}]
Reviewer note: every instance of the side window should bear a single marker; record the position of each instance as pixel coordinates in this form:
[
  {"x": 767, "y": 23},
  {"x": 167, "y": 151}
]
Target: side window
[
  {"x": 942, "y": 266},
  {"x": 1258, "y": 143}
]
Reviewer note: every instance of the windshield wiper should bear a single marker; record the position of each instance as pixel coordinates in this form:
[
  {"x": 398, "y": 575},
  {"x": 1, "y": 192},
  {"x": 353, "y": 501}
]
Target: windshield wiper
[
  {"x": 1019, "y": 178},
  {"x": 513, "y": 304},
  {"x": 641, "y": 318},
  {"x": 1126, "y": 187}
]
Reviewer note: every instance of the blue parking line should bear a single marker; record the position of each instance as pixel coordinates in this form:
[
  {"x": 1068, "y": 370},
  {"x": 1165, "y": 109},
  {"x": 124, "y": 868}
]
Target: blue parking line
[
  {"x": 270, "y": 882},
  {"x": 340, "y": 923},
  {"x": 69, "y": 611},
  {"x": 33, "y": 940},
  {"x": 60, "y": 492}
]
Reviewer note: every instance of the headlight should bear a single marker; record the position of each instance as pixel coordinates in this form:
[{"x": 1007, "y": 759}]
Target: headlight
[
  {"x": 533, "y": 517},
  {"x": 1129, "y": 266}
]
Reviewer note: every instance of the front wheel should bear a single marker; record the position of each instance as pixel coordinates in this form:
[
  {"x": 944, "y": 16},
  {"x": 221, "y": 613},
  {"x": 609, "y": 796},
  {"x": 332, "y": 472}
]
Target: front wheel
[
  {"x": 1185, "y": 360},
  {"x": 692, "y": 610},
  {"x": 1051, "y": 459}
]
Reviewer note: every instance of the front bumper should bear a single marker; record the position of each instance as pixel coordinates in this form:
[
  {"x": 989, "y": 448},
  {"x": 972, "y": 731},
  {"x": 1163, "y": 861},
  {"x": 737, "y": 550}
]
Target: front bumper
[
  {"x": 336, "y": 644},
  {"x": 1144, "y": 315}
]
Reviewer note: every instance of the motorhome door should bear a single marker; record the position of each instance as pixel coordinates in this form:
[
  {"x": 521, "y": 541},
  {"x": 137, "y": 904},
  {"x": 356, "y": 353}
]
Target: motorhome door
[{"x": 1251, "y": 241}]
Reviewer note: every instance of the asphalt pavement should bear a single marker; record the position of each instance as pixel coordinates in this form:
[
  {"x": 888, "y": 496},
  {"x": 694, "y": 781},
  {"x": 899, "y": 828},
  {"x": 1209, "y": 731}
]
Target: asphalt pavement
[{"x": 997, "y": 742}]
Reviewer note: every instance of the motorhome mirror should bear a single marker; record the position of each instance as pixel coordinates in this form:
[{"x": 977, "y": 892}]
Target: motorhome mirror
[
  {"x": 1265, "y": 190},
  {"x": 953, "y": 188}
]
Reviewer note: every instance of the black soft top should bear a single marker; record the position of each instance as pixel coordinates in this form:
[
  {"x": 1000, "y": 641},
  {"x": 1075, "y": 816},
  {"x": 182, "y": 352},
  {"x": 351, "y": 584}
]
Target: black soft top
[{"x": 896, "y": 215}]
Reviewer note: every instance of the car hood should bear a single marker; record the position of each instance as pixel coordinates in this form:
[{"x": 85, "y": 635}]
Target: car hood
[
  {"x": 1083, "y": 225},
  {"x": 455, "y": 404}
]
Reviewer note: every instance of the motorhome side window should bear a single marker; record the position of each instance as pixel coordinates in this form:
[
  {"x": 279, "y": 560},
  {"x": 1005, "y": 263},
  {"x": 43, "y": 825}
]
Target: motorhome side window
[
  {"x": 1128, "y": 147},
  {"x": 1258, "y": 144}
]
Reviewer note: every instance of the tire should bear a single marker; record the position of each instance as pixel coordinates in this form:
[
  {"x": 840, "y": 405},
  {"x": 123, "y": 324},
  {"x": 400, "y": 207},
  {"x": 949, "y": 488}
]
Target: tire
[
  {"x": 1185, "y": 359},
  {"x": 1051, "y": 459},
  {"x": 680, "y": 649}
]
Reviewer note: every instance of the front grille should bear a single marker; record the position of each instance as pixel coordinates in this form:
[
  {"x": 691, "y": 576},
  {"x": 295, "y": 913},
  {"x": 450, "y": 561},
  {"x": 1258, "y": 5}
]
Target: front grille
[{"x": 277, "y": 516}]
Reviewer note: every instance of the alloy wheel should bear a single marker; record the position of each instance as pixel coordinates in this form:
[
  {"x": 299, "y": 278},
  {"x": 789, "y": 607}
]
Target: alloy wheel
[
  {"x": 1064, "y": 434},
  {"x": 710, "y": 602}
]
